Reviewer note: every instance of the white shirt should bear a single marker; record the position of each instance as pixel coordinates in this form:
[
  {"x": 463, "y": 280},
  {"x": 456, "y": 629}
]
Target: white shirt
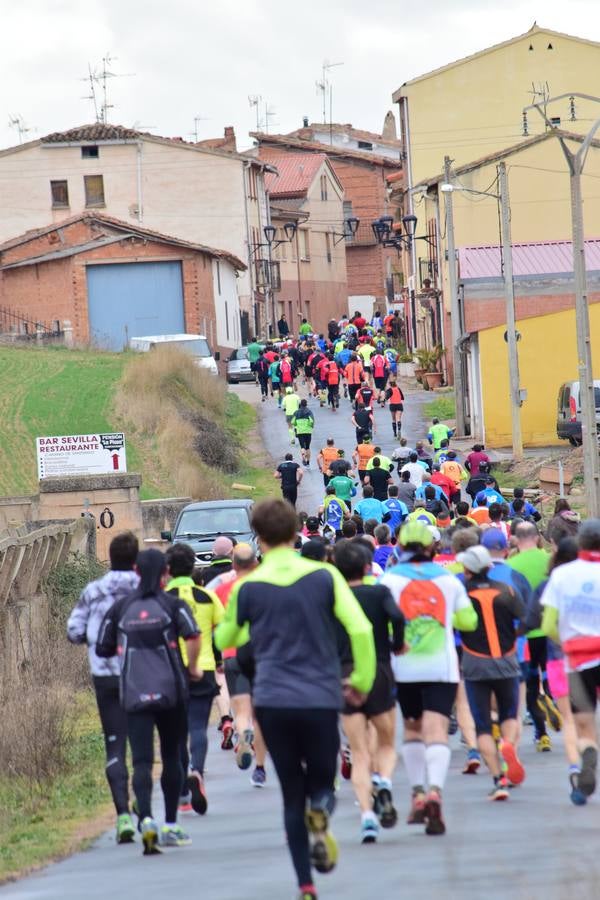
[
  {"x": 574, "y": 591},
  {"x": 416, "y": 473}
]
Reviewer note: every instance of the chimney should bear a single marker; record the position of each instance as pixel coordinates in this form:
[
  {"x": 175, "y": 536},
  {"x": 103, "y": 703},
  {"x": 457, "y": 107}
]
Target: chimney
[
  {"x": 305, "y": 121},
  {"x": 229, "y": 132},
  {"x": 229, "y": 142}
]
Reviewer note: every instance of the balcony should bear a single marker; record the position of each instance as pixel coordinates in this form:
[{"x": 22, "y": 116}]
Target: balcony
[{"x": 364, "y": 236}]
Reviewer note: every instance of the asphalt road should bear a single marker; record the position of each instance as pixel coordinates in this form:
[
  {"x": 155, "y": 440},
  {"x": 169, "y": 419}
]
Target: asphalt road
[{"x": 536, "y": 846}]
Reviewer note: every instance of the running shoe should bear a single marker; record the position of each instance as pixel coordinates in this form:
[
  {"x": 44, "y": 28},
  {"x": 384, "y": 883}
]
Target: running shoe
[
  {"x": 369, "y": 830},
  {"x": 243, "y": 752},
  {"x": 543, "y": 744},
  {"x": 548, "y": 707},
  {"x": 577, "y": 796},
  {"x": 185, "y": 806},
  {"x": 472, "y": 762},
  {"x": 259, "y": 777},
  {"x": 386, "y": 812},
  {"x": 514, "y": 770},
  {"x": 434, "y": 823},
  {"x": 496, "y": 734},
  {"x": 346, "y": 767},
  {"x": 149, "y": 830},
  {"x": 587, "y": 778},
  {"x": 324, "y": 850},
  {"x": 308, "y": 893},
  {"x": 227, "y": 741},
  {"x": 416, "y": 815},
  {"x": 195, "y": 785},
  {"x": 527, "y": 718},
  {"x": 174, "y": 836},
  {"x": 125, "y": 829},
  {"x": 452, "y": 725},
  {"x": 500, "y": 790}
]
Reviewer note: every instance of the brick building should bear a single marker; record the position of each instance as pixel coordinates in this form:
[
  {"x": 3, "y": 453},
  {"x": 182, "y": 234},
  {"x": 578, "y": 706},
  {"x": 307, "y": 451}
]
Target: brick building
[
  {"x": 113, "y": 280},
  {"x": 372, "y": 271}
]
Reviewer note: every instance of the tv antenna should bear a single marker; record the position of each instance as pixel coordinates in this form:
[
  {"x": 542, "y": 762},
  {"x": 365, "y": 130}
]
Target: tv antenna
[
  {"x": 270, "y": 113},
  {"x": 325, "y": 88},
  {"x": 254, "y": 100},
  {"x": 194, "y": 133},
  {"x": 91, "y": 79},
  {"x": 98, "y": 79},
  {"x": 18, "y": 123}
]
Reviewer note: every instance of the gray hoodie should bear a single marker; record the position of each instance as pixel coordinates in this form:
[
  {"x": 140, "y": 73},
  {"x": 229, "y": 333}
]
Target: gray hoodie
[{"x": 85, "y": 620}]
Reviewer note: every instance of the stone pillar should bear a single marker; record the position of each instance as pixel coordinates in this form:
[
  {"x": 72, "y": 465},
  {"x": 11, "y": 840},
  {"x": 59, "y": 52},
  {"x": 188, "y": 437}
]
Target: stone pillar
[{"x": 68, "y": 333}]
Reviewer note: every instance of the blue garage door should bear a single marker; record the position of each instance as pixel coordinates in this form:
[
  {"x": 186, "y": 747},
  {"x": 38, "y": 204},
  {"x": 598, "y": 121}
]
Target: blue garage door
[{"x": 128, "y": 300}]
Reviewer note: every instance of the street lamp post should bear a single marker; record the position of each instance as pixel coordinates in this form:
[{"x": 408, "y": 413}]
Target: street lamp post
[{"x": 455, "y": 317}]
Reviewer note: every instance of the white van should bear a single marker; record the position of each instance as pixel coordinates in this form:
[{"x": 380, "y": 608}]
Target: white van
[{"x": 195, "y": 344}]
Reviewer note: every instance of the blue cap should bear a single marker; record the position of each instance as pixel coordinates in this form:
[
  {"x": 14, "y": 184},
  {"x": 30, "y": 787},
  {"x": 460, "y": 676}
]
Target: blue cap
[{"x": 494, "y": 539}]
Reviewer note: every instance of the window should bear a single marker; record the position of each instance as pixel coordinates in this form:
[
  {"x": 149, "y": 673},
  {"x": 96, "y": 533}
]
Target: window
[
  {"x": 218, "y": 268},
  {"x": 90, "y": 153},
  {"x": 304, "y": 244},
  {"x": 347, "y": 206},
  {"x": 252, "y": 184},
  {"x": 328, "y": 246},
  {"x": 94, "y": 190},
  {"x": 60, "y": 194},
  {"x": 365, "y": 145},
  {"x": 323, "y": 187}
]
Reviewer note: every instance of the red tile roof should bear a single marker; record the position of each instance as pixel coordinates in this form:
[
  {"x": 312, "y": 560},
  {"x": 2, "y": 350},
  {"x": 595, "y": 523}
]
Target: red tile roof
[{"x": 297, "y": 172}]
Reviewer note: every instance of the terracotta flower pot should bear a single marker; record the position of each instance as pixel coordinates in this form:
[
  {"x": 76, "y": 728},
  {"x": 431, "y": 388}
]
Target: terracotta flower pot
[
  {"x": 433, "y": 379},
  {"x": 419, "y": 375}
]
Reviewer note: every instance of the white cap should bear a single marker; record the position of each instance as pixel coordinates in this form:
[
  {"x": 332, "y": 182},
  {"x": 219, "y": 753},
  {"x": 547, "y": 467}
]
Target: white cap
[{"x": 476, "y": 559}]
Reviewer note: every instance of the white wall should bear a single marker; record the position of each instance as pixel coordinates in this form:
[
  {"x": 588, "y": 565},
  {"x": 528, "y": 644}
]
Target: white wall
[{"x": 227, "y": 304}]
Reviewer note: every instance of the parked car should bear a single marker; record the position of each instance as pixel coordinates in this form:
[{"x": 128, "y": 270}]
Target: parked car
[
  {"x": 568, "y": 424},
  {"x": 199, "y": 524},
  {"x": 238, "y": 366},
  {"x": 195, "y": 344}
]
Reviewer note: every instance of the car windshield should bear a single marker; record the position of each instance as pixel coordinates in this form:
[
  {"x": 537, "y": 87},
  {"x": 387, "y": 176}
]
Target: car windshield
[
  {"x": 242, "y": 353},
  {"x": 197, "y": 347},
  {"x": 214, "y": 521}
]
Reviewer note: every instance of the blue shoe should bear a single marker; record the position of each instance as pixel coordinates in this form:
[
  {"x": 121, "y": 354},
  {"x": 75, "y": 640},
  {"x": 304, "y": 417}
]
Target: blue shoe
[
  {"x": 577, "y": 796},
  {"x": 472, "y": 763},
  {"x": 369, "y": 830},
  {"x": 259, "y": 777}
]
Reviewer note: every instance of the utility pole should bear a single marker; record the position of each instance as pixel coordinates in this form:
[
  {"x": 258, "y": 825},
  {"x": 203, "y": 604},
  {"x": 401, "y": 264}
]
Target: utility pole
[
  {"x": 455, "y": 318},
  {"x": 511, "y": 334}
]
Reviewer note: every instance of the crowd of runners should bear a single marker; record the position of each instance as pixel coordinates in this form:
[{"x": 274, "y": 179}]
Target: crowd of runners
[{"x": 415, "y": 586}]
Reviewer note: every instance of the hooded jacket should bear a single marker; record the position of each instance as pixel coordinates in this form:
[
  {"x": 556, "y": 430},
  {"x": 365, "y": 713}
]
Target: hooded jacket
[{"x": 93, "y": 604}]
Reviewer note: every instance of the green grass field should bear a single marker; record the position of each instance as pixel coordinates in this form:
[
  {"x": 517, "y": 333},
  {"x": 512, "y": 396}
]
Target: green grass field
[{"x": 443, "y": 407}]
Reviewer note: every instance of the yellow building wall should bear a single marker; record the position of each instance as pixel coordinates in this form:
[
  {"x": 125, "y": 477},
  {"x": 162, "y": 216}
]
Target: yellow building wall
[
  {"x": 474, "y": 108},
  {"x": 547, "y": 358}
]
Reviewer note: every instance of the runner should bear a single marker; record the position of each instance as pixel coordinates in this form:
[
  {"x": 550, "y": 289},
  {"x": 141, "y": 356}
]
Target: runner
[
  {"x": 254, "y": 350},
  {"x": 381, "y": 370},
  {"x": 397, "y": 510},
  {"x": 438, "y": 433},
  {"x": 82, "y": 628},
  {"x": 364, "y": 423},
  {"x": 570, "y": 601},
  {"x": 396, "y": 399},
  {"x": 250, "y": 743},
  {"x": 144, "y": 628},
  {"x": 433, "y": 603},
  {"x": 290, "y": 404},
  {"x": 369, "y": 507},
  {"x": 364, "y": 395},
  {"x": 261, "y": 369},
  {"x": 363, "y": 453},
  {"x": 333, "y": 512},
  {"x": 207, "y": 612},
  {"x": 353, "y": 561},
  {"x": 353, "y": 373},
  {"x": 365, "y": 352},
  {"x": 274, "y": 375},
  {"x": 303, "y": 422},
  {"x": 326, "y": 456},
  {"x": 453, "y": 470},
  {"x": 297, "y": 691},
  {"x": 414, "y": 470},
  {"x": 379, "y": 479},
  {"x": 332, "y": 376},
  {"x": 344, "y": 489},
  {"x": 290, "y": 475},
  {"x": 490, "y": 666}
]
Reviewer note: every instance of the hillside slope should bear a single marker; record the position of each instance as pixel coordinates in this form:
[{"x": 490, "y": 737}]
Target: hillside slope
[{"x": 183, "y": 433}]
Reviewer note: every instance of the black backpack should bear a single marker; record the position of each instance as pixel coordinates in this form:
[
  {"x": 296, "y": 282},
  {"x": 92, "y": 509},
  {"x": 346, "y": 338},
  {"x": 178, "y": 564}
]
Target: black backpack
[{"x": 152, "y": 675}]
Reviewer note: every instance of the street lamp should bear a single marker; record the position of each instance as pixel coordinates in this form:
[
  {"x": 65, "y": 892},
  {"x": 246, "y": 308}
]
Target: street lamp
[
  {"x": 390, "y": 235},
  {"x": 349, "y": 229},
  {"x": 270, "y": 231}
]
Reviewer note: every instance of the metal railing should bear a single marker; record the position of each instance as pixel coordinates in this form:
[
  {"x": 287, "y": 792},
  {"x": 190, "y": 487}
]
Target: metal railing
[
  {"x": 17, "y": 326},
  {"x": 364, "y": 237}
]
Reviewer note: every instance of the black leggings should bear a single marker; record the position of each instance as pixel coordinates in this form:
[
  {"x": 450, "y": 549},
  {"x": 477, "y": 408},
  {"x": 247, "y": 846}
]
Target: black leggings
[
  {"x": 304, "y": 744},
  {"x": 113, "y": 719},
  {"x": 171, "y": 725},
  {"x": 264, "y": 386},
  {"x": 538, "y": 658}
]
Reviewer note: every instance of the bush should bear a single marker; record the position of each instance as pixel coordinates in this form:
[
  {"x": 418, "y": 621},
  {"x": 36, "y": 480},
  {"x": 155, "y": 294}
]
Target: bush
[{"x": 64, "y": 585}]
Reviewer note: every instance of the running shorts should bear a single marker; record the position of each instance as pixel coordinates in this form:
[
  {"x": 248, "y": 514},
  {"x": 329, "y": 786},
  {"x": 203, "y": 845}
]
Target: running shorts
[
  {"x": 479, "y": 695},
  {"x": 557, "y": 678},
  {"x": 582, "y": 689},
  {"x": 415, "y": 697},
  {"x": 237, "y": 683},
  {"x": 380, "y": 383},
  {"x": 382, "y": 695},
  {"x": 304, "y": 440},
  {"x": 396, "y": 407}
]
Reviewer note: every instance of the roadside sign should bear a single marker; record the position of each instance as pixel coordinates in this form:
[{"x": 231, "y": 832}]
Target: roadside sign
[{"x": 81, "y": 454}]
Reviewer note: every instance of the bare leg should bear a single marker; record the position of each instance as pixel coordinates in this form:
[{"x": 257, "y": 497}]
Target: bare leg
[
  {"x": 568, "y": 730},
  {"x": 385, "y": 726},
  {"x": 355, "y": 728},
  {"x": 464, "y": 717}
]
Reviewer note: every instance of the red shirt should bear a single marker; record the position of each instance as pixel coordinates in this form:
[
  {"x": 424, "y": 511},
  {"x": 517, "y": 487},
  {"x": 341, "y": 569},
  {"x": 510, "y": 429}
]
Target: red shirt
[
  {"x": 475, "y": 458},
  {"x": 271, "y": 356},
  {"x": 379, "y": 365},
  {"x": 446, "y": 484},
  {"x": 359, "y": 322},
  {"x": 332, "y": 373}
]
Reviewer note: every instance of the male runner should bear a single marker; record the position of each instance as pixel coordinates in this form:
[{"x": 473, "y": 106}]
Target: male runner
[
  {"x": 333, "y": 511},
  {"x": 326, "y": 456},
  {"x": 353, "y": 373},
  {"x": 363, "y": 453},
  {"x": 381, "y": 370},
  {"x": 364, "y": 423},
  {"x": 354, "y": 562},
  {"x": 303, "y": 423},
  {"x": 290, "y": 475},
  {"x": 297, "y": 688},
  {"x": 290, "y": 404},
  {"x": 433, "y": 602}
]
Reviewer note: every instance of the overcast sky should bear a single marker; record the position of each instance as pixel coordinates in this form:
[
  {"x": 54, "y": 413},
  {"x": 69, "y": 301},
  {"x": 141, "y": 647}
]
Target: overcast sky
[{"x": 187, "y": 58}]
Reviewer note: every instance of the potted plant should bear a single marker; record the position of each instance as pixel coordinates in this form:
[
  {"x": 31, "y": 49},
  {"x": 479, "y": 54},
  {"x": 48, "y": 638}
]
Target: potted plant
[
  {"x": 406, "y": 365},
  {"x": 428, "y": 360}
]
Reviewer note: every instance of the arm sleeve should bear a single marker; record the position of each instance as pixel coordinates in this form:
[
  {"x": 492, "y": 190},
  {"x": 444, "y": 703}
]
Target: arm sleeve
[
  {"x": 396, "y": 620},
  {"x": 465, "y": 617},
  {"x": 348, "y": 611},
  {"x": 77, "y": 624},
  {"x": 550, "y": 622},
  {"x": 233, "y": 630}
]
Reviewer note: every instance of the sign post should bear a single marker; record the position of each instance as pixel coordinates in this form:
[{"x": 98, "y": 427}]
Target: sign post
[{"x": 81, "y": 454}]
